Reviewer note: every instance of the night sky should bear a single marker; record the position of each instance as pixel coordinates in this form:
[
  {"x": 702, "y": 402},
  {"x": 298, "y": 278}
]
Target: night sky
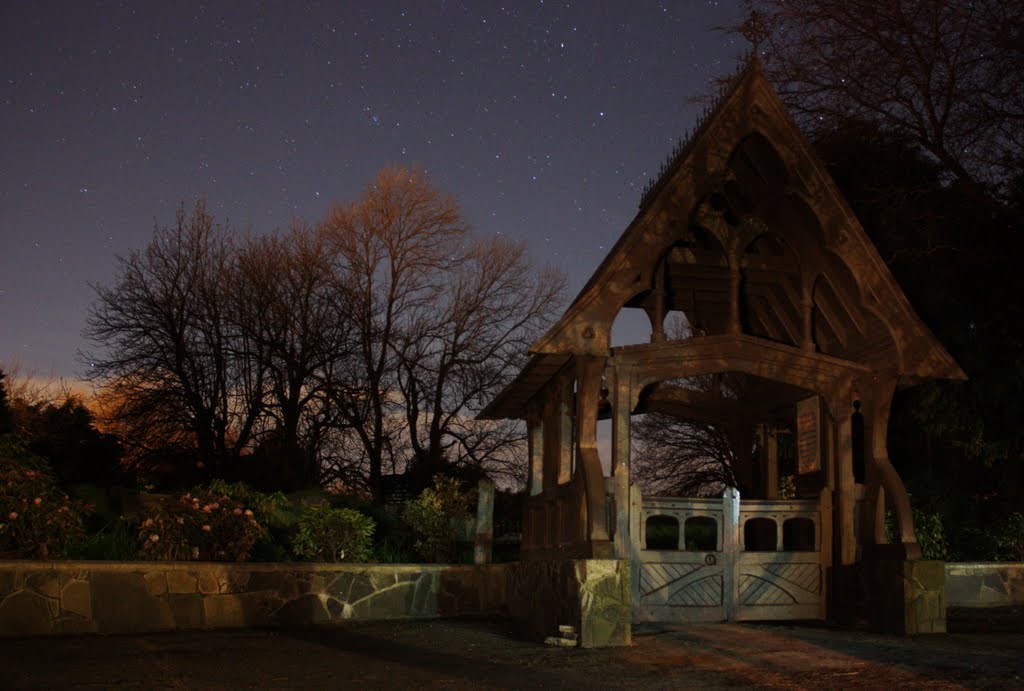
[{"x": 545, "y": 119}]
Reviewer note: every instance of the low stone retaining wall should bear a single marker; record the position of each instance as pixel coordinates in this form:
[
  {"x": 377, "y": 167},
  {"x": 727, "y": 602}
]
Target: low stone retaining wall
[
  {"x": 592, "y": 595},
  {"x": 985, "y": 584},
  {"x": 106, "y": 597},
  {"x": 42, "y": 598}
]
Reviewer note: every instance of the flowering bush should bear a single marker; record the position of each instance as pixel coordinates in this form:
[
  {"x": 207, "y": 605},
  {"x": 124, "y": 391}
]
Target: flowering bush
[
  {"x": 36, "y": 518},
  {"x": 433, "y": 515},
  {"x": 333, "y": 535},
  {"x": 200, "y": 525}
]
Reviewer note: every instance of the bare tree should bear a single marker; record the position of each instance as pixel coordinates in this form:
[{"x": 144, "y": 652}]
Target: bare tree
[
  {"x": 471, "y": 342},
  {"x": 292, "y": 325},
  {"x": 946, "y": 74},
  {"x": 331, "y": 353},
  {"x": 167, "y": 334},
  {"x": 395, "y": 248},
  {"x": 681, "y": 458}
]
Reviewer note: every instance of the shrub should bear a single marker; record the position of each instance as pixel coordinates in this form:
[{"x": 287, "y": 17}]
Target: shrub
[
  {"x": 263, "y": 505},
  {"x": 114, "y": 541},
  {"x": 199, "y": 526},
  {"x": 1009, "y": 538},
  {"x": 432, "y": 517},
  {"x": 334, "y": 535},
  {"x": 36, "y": 518},
  {"x": 931, "y": 535},
  {"x": 928, "y": 527}
]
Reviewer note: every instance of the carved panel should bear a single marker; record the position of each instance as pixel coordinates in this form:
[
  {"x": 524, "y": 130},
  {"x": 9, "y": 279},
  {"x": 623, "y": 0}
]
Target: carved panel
[{"x": 680, "y": 585}]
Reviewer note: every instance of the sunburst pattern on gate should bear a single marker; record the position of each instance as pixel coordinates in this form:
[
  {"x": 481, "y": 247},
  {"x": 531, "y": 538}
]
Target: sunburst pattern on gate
[
  {"x": 780, "y": 584},
  {"x": 681, "y": 585}
]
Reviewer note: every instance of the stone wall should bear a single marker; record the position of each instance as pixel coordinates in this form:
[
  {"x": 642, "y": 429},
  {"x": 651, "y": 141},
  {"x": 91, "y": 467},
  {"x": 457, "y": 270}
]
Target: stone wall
[
  {"x": 985, "y": 584},
  {"x": 592, "y": 595},
  {"x": 906, "y": 596},
  {"x": 41, "y": 598},
  {"x": 38, "y": 598}
]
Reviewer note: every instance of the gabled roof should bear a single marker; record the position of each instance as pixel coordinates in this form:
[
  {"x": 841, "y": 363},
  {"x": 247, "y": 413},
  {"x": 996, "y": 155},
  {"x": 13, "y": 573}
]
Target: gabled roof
[{"x": 749, "y": 115}]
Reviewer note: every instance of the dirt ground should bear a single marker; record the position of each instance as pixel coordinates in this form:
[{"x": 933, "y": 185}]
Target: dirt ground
[{"x": 479, "y": 655}]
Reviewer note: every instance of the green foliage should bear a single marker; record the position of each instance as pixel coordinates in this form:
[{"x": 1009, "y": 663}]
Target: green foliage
[
  {"x": 930, "y": 532},
  {"x": 662, "y": 532},
  {"x": 931, "y": 535},
  {"x": 327, "y": 534},
  {"x": 393, "y": 549},
  {"x": 264, "y": 505},
  {"x": 1009, "y": 538},
  {"x": 433, "y": 517},
  {"x": 276, "y": 513},
  {"x": 114, "y": 541},
  {"x": 787, "y": 487},
  {"x": 36, "y": 518},
  {"x": 198, "y": 526}
]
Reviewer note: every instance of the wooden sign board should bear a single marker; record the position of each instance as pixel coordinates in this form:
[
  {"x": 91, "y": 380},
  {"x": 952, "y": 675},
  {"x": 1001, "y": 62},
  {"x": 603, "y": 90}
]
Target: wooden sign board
[{"x": 808, "y": 436}]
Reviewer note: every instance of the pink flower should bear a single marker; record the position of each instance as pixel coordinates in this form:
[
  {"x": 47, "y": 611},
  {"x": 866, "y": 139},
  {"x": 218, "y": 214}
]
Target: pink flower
[
  {"x": 206, "y": 509},
  {"x": 12, "y": 515},
  {"x": 154, "y": 538},
  {"x": 206, "y": 528},
  {"x": 37, "y": 501},
  {"x": 238, "y": 512},
  {"x": 214, "y": 507},
  {"x": 181, "y": 521},
  {"x": 248, "y": 512},
  {"x": 148, "y": 522},
  {"x": 30, "y": 473}
]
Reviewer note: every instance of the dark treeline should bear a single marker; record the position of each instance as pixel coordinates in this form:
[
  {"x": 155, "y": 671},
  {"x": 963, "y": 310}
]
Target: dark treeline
[{"x": 917, "y": 108}]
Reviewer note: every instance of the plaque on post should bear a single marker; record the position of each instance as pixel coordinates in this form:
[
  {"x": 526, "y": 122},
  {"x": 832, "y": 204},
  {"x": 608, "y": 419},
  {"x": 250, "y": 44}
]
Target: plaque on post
[{"x": 808, "y": 436}]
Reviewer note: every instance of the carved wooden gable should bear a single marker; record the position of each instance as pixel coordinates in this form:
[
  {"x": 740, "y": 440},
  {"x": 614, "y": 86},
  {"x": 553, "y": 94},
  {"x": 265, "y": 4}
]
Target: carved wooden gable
[{"x": 745, "y": 207}]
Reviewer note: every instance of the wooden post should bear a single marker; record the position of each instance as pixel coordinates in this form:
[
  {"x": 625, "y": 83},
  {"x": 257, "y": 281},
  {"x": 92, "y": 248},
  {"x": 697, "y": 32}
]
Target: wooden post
[
  {"x": 730, "y": 550},
  {"x": 535, "y": 442},
  {"x": 734, "y": 328},
  {"x": 771, "y": 466},
  {"x": 880, "y": 401},
  {"x": 565, "y": 429},
  {"x": 807, "y": 314},
  {"x": 636, "y": 543},
  {"x": 588, "y": 395},
  {"x": 742, "y": 440},
  {"x": 621, "y": 410},
  {"x": 845, "y": 487},
  {"x": 484, "y": 522}
]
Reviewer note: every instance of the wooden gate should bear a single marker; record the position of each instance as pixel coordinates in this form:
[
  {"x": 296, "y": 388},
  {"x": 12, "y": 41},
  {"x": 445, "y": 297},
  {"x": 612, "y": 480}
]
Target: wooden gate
[{"x": 723, "y": 559}]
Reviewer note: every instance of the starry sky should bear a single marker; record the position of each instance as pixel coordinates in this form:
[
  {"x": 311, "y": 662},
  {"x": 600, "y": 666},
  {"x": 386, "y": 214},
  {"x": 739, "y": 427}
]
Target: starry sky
[{"x": 544, "y": 118}]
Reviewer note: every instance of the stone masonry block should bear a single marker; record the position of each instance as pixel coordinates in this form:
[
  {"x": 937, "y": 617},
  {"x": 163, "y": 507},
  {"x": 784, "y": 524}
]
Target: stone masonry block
[
  {"x": 25, "y": 613},
  {"x": 76, "y": 598}
]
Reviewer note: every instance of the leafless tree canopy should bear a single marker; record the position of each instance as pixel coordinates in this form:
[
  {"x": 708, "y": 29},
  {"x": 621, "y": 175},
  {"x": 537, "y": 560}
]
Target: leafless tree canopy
[
  {"x": 167, "y": 328},
  {"x": 338, "y": 351},
  {"x": 686, "y": 458},
  {"x": 947, "y": 74},
  {"x": 677, "y": 458},
  {"x": 442, "y": 320}
]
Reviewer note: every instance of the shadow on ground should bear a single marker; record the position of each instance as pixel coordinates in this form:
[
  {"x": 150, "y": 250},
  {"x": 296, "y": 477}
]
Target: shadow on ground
[{"x": 486, "y": 654}]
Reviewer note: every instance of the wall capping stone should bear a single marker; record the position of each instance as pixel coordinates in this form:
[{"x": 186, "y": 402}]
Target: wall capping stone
[
  {"x": 75, "y": 597},
  {"x": 984, "y": 584}
]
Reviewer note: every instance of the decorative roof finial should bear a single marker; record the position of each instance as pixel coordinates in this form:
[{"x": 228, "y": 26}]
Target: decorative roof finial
[{"x": 756, "y": 28}]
